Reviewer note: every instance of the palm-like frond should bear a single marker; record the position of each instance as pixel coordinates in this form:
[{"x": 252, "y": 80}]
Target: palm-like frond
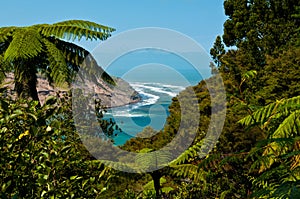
[
  {"x": 274, "y": 110},
  {"x": 26, "y": 44},
  {"x": 2, "y": 68},
  {"x": 42, "y": 48},
  {"x": 146, "y": 160},
  {"x": 87, "y": 24},
  {"x": 73, "y": 53},
  {"x": 6, "y": 33},
  {"x": 193, "y": 151},
  {"x": 291, "y": 124},
  {"x": 188, "y": 171},
  {"x": 281, "y": 138},
  {"x": 120, "y": 166},
  {"x": 75, "y": 29},
  {"x": 78, "y": 57},
  {"x": 57, "y": 65}
]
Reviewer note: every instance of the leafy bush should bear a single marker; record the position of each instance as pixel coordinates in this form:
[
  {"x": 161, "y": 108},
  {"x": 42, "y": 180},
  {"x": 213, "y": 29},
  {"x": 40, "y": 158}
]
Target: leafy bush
[{"x": 41, "y": 155}]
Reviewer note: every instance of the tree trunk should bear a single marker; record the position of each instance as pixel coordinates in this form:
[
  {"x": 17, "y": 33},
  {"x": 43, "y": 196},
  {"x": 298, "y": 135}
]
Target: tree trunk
[
  {"x": 156, "y": 175},
  {"x": 26, "y": 81}
]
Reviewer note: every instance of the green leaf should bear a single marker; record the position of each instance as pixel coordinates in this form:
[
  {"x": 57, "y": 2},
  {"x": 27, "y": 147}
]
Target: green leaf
[
  {"x": 6, "y": 33},
  {"x": 76, "y": 29},
  {"x": 57, "y": 65},
  {"x": 43, "y": 193},
  {"x": 290, "y": 125},
  {"x": 5, "y": 186},
  {"x": 26, "y": 44},
  {"x": 73, "y": 177}
]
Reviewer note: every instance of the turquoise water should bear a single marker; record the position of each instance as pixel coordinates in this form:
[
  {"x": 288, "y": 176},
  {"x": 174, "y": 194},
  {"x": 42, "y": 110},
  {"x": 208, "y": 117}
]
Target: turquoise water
[
  {"x": 151, "y": 111},
  {"x": 158, "y": 77}
]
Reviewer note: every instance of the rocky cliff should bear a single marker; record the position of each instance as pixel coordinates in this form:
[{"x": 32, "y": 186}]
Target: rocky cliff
[{"x": 111, "y": 96}]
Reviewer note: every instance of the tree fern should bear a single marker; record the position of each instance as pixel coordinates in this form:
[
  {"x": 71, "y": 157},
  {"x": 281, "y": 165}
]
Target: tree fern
[
  {"x": 26, "y": 44},
  {"x": 190, "y": 171},
  {"x": 76, "y": 29},
  {"x": 271, "y": 111},
  {"x": 72, "y": 52},
  {"x": 86, "y": 24},
  {"x": 291, "y": 124},
  {"x": 6, "y": 33},
  {"x": 193, "y": 151},
  {"x": 120, "y": 166},
  {"x": 278, "y": 164},
  {"x": 78, "y": 57},
  {"x": 57, "y": 64},
  {"x": 42, "y": 48},
  {"x": 4, "y": 67}
]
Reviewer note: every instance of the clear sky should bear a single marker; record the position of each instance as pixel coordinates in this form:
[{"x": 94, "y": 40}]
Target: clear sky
[{"x": 202, "y": 20}]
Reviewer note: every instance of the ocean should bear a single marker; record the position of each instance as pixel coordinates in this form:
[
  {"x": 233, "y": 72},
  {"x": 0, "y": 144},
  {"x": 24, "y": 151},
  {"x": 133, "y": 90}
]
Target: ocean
[
  {"x": 157, "y": 76},
  {"x": 151, "y": 111}
]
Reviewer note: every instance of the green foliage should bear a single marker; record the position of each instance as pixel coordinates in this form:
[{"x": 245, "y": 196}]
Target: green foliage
[
  {"x": 191, "y": 152},
  {"x": 276, "y": 81},
  {"x": 42, "y": 155},
  {"x": 278, "y": 167},
  {"x": 40, "y": 48},
  {"x": 26, "y": 43},
  {"x": 217, "y": 51},
  {"x": 6, "y": 33},
  {"x": 187, "y": 190},
  {"x": 282, "y": 108},
  {"x": 150, "y": 187},
  {"x": 262, "y": 159},
  {"x": 190, "y": 172},
  {"x": 75, "y": 29},
  {"x": 58, "y": 69},
  {"x": 260, "y": 25}
]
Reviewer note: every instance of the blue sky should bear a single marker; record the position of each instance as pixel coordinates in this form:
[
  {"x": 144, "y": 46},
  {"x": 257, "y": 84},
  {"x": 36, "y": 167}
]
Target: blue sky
[{"x": 202, "y": 20}]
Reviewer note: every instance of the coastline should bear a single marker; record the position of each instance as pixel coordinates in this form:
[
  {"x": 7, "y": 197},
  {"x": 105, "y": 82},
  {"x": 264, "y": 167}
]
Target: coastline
[{"x": 111, "y": 96}]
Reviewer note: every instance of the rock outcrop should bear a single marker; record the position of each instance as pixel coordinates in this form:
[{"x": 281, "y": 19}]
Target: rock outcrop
[{"x": 110, "y": 96}]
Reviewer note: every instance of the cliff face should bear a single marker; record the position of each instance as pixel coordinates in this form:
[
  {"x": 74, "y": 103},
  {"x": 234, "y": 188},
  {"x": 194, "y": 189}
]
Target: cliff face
[
  {"x": 110, "y": 96},
  {"x": 119, "y": 95}
]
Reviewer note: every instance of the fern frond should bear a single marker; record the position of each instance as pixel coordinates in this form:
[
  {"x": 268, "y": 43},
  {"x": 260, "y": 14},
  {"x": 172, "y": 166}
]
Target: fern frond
[
  {"x": 57, "y": 65},
  {"x": 290, "y": 125},
  {"x": 4, "y": 67},
  {"x": 287, "y": 190},
  {"x": 184, "y": 170},
  {"x": 274, "y": 110},
  {"x": 78, "y": 57},
  {"x": 296, "y": 159},
  {"x": 274, "y": 150},
  {"x": 152, "y": 160},
  {"x": 6, "y": 33},
  {"x": 188, "y": 171},
  {"x": 120, "y": 166},
  {"x": 268, "y": 158},
  {"x": 191, "y": 152},
  {"x": 26, "y": 44},
  {"x": 73, "y": 53},
  {"x": 76, "y": 29},
  {"x": 86, "y": 24},
  {"x": 261, "y": 115}
]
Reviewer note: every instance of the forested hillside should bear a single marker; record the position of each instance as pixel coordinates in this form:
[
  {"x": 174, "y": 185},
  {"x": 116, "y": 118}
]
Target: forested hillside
[{"x": 257, "y": 154}]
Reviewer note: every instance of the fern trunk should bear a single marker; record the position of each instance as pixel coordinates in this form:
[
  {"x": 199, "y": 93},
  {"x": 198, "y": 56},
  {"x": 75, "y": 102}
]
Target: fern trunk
[
  {"x": 156, "y": 175},
  {"x": 26, "y": 80}
]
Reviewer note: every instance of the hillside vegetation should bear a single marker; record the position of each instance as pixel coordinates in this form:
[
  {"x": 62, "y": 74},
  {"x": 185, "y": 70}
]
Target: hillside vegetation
[{"x": 257, "y": 154}]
